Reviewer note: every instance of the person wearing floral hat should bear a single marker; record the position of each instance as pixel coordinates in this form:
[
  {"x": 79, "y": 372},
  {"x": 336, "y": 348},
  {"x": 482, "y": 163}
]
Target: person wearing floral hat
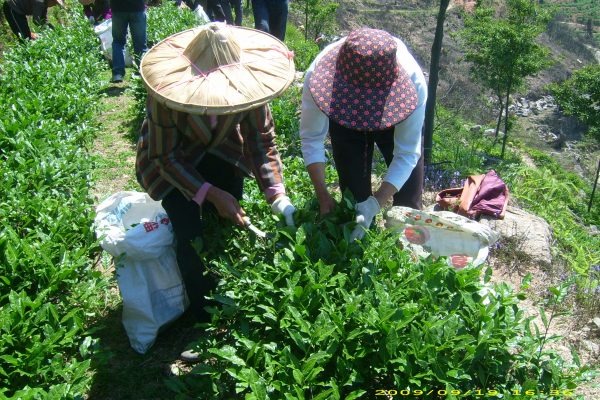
[
  {"x": 208, "y": 126},
  {"x": 16, "y": 12},
  {"x": 365, "y": 89}
]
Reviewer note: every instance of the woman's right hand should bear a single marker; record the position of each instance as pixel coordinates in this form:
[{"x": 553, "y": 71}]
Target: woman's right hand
[
  {"x": 326, "y": 203},
  {"x": 227, "y": 206}
]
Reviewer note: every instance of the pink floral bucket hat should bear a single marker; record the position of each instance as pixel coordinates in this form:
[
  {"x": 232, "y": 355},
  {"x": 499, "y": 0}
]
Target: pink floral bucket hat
[{"x": 360, "y": 85}]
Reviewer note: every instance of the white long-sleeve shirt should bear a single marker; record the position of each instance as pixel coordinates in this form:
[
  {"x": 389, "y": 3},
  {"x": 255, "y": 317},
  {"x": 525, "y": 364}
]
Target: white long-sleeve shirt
[{"x": 314, "y": 124}]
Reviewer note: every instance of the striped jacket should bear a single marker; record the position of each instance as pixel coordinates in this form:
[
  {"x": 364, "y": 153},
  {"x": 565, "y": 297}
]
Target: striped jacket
[{"x": 172, "y": 144}]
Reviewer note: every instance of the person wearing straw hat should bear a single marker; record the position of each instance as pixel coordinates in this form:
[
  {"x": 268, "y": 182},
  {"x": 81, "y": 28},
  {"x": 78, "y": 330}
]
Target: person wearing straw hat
[
  {"x": 208, "y": 126},
  {"x": 365, "y": 89},
  {"x": 16, "y": 12}
]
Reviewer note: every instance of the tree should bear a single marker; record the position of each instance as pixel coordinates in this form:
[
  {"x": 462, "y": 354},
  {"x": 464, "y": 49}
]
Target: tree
[
  {"x": 319, "y": 16},
  {"x": 503, "y": 50},
  {"x": 434, "y": 69},
  {"x": 580, "y": 96}
]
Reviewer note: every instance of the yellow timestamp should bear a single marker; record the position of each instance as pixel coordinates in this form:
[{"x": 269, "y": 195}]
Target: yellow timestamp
[{"x": 472, "y": 392}]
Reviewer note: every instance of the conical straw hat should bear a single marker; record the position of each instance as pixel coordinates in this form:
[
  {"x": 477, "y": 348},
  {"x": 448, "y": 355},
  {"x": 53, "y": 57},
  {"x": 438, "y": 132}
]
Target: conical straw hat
[{"x": 217, "y": 69}]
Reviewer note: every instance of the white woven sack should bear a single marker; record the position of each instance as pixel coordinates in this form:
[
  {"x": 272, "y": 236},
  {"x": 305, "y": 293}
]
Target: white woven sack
[
  {"x": 137, "y": 232},
  {"x": 153, "y": 296},
  {"x": 201, "y": 15}
]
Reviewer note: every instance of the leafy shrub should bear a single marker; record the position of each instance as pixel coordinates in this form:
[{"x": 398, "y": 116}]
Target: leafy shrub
[
  {"x": 580, "y": 96},
  {"x": 305, "y": 51},
  {"x": 310, "y": 315},
  {"x": 48, "y": 288},
  {"x": 316, "y": 17}
]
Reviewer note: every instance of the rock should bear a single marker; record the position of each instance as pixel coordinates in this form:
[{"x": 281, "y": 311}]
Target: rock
[
  {"x": 559, "y": 142},
  {"x": 593, "y": 230},
  {"x": 531, "y": 233},
  {"x": 476, "y": 129},
  {"x": 491, "y": 132},
  {"x": 592, "y": 347}
]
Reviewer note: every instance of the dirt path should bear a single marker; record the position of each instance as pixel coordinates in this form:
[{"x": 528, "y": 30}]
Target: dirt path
[
  {"x": 119, "y": 372},
  {"x": 115, "y": 145}
]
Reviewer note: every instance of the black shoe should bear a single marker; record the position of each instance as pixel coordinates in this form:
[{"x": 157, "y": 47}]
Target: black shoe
[{"x": 117, "y": 78}]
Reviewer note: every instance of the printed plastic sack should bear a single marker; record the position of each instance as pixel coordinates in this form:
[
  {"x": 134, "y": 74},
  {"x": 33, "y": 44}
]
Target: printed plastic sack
[
  {"x": 442, "y": 233},
  {"x": 137, "y": 232},
  {"x": 104, "y": 33},
  {"x": 481, "y": 194}
]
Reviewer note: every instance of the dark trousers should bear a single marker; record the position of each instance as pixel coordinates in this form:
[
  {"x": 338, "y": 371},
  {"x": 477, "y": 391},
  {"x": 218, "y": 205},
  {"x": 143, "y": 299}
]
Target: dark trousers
[
  {"x": 236, "y": 6},
  {"x": 353, "y": 157},
  {"x": 219, "y": 10},
  {"x": 271, "y": 16},
  {"x": 17, "y": 22},
  {"x": 187, "y": 224}
]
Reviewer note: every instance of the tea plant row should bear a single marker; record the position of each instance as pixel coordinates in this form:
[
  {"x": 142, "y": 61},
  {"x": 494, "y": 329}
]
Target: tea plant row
[{"x": 49, "y": 91}]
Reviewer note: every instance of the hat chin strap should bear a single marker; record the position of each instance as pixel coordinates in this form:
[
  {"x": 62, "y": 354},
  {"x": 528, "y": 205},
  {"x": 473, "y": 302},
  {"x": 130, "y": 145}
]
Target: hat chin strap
[{"x": 213, "y": 46}]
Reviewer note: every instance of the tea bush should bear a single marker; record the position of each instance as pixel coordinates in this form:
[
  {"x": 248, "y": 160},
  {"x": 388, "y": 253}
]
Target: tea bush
[
  {"x": 309, "y": 315},
  {"x": 48, "y": 288}
]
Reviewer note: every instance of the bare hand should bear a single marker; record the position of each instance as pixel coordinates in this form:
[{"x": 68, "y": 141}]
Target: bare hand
[
  {"x": 227, "y": 206},
  {"x": 326, "y": 203}
]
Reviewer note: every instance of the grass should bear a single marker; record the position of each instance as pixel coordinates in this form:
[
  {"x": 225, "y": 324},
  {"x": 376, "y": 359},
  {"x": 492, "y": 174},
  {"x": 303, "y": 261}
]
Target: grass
[{"x": 115, "y": 142}]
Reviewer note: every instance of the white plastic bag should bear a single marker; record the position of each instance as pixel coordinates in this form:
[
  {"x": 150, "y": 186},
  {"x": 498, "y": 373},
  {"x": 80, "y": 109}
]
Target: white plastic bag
[
  {"x": 137, "y": 232},
  {"x": 104, "y": 33},
  {"x": 201, "y": 15},
  {"x": 442, "y": 233}
]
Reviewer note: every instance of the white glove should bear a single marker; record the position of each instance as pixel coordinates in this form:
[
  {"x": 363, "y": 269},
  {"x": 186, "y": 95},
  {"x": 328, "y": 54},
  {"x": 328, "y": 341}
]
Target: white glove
[
  {"x": 365, "y": 212},
  {"x": 282, "y": 205}
]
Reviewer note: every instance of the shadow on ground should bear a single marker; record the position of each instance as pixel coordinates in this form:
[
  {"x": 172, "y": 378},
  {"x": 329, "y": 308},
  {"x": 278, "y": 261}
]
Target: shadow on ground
[
  {"x": 113, "y": 91},
  {"x": 121, "y": 373}
]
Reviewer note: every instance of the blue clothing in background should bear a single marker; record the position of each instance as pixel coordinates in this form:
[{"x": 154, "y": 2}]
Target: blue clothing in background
[
  {"x": 136, "y": 22},
  {"x": 127, "y": 5},
  {"x": 271, "y": 16}
]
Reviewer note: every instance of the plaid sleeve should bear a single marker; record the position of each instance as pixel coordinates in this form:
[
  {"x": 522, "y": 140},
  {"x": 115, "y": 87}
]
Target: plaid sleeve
[
  {"x": 165, "y": 150},
  {"x": 258, "y": 130}
]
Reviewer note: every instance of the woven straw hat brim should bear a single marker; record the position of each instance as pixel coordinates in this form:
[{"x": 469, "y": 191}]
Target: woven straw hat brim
[
  {"x": 358, "y": 107},
  {"x": 266, "y": 69}
]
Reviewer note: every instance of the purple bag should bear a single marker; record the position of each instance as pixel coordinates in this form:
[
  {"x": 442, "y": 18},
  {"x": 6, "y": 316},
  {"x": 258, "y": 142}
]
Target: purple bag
[
  {"x": 481, "y": 194},
  {"x": 491, "y": 197}
]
